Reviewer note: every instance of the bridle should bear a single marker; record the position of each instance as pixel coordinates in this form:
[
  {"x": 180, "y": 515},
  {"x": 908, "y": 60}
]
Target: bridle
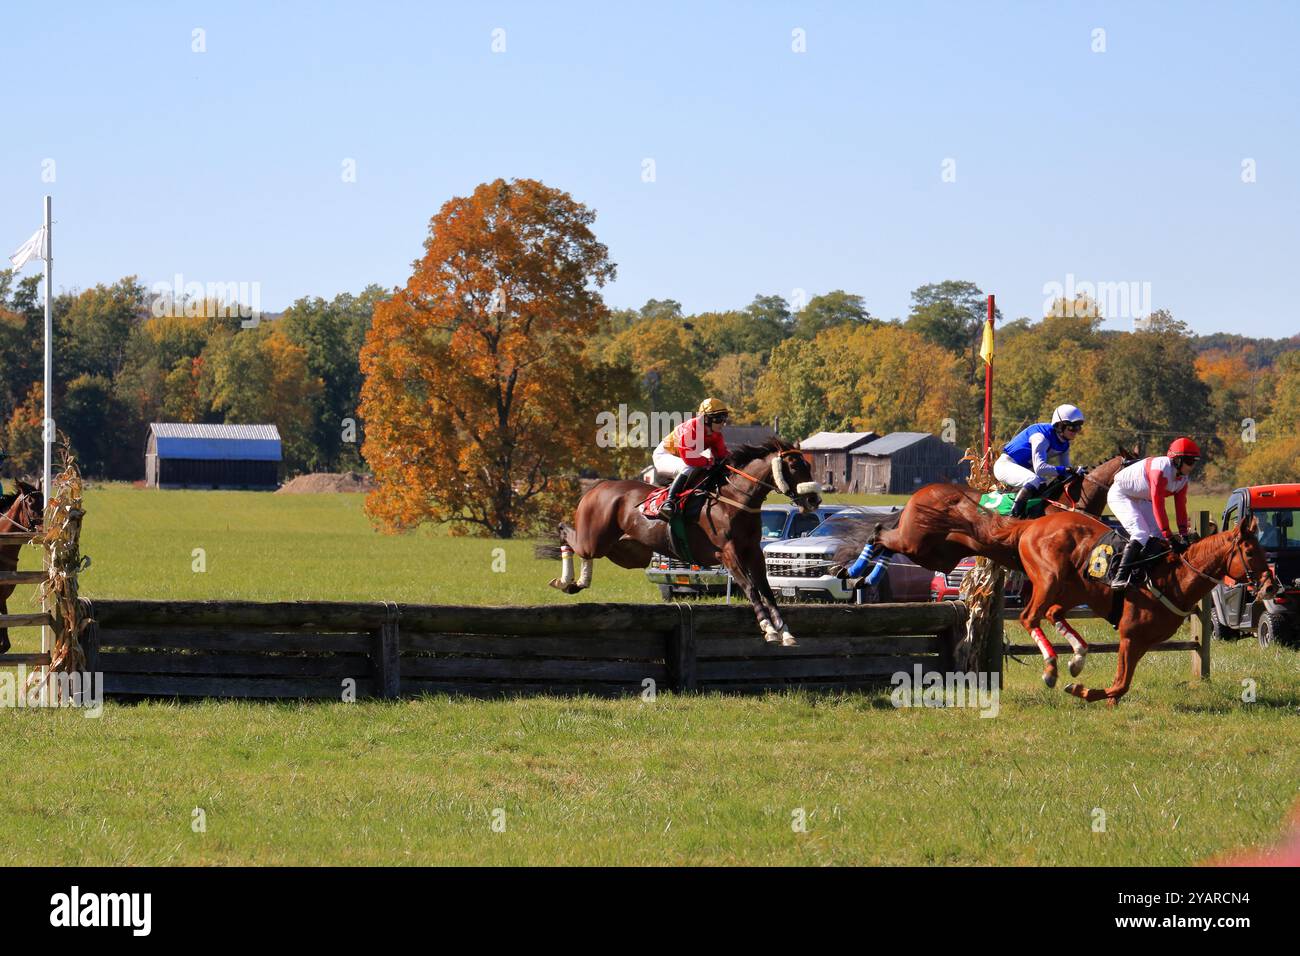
[
  {"x": 1253, "y": 584},
  {"x": 16, "y": 507},
  {"x": 781, "y": 486}
]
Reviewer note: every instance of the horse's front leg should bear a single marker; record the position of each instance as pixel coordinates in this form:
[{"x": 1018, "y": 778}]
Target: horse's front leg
[
  {"x": 1128, "y": 655},
  {"x": 740, "y": 573},
  {"x": 758, "y": 571}
]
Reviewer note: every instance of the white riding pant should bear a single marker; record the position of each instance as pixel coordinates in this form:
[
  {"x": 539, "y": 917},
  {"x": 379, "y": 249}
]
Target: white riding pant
[
  {"x": 1014, "y": 475},
  {"x": 666, "y": 463},
  {"x": 1136, "y": 515}
]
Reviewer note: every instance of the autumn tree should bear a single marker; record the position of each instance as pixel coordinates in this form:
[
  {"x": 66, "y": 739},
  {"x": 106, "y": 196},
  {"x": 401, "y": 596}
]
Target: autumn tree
[
  {"x": 331, "y": 334},
  {"x": 1142, "y": 387},
  {"x": 667, "y": 359},
  {"x": 854, "y": 378},
  {"x": 257, "y": 376},
  {"x": 1273, "y": 454},
  {"x": 478, "y": 394},
  {"x": 829, "y": 310}
]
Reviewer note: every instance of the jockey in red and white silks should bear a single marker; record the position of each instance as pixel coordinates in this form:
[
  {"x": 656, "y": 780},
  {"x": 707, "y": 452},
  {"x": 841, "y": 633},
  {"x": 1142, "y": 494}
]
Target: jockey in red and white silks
[
  {"x": 695, "y": 443},
  {"x": 1137, "y": 498}
]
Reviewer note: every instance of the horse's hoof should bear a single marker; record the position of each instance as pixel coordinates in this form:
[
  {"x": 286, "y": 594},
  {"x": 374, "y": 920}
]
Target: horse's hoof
[
  {"x": 787, "y": 640},
  {"x": 1076, "y": 664},
  {"x": 770, "y": 633},
  {"x": 1049, "y": 675},
  {"x": 569, "y": 588},
  {"x": 1072, "y": 689}
]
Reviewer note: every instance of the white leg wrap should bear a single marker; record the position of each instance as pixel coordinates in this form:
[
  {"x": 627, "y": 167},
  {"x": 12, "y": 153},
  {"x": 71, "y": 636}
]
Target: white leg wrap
[
  {"x": 566, "y": 564},
  {"x": 584, "y": 576},
  {"x": 1078, "y": 643}
]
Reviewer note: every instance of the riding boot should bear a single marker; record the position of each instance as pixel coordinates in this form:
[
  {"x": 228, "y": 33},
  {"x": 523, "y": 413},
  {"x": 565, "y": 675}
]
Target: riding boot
[
  {"x": 1124, "y": 573},
  {"x": 669, "y": 508},
  {"x": 1021, "y": 504}
]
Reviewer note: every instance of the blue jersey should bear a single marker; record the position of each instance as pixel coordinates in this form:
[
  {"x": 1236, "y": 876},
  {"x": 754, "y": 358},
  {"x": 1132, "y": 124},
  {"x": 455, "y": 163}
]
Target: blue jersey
[{"x": 1037, "y": 446}]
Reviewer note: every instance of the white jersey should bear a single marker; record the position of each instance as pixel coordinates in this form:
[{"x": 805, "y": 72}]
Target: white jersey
[{"x": 1139, "y": 479}]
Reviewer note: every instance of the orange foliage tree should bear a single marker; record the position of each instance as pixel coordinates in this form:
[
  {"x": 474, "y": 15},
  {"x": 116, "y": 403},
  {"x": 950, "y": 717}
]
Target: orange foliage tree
[{"x": 478, "y": 395}]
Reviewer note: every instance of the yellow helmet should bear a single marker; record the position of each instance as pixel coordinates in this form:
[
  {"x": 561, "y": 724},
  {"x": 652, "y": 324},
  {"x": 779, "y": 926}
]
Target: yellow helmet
[{"x": 713, "y": 406}]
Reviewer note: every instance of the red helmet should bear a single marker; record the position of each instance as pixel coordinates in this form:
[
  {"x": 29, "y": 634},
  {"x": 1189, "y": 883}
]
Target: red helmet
[{"x": 1184, "y": 448}]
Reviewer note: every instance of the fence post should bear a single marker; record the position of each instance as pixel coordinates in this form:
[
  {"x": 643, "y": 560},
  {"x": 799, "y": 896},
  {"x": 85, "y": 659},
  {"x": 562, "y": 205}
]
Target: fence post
[
  {"x": 680, "y": 652},
  {"x": 385, "y": 656},
  {"x": 1202, "y": 630}
]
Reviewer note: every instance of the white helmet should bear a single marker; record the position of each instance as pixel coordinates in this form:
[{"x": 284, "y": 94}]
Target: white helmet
[{"x": 1067, "y": 413}]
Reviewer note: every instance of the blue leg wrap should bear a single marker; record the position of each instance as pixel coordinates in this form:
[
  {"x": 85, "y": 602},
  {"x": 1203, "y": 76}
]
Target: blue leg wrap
[{"x": 860, "y": 563}]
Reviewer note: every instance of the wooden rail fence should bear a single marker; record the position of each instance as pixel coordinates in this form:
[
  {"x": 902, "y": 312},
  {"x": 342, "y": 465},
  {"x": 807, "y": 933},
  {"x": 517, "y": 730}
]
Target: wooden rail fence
[
  {"x": 26, "y": 619},
  {"x": 321, "y": 649}
]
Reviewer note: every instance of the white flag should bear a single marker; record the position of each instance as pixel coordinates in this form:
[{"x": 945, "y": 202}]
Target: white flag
[{"x": 33, "y": 248}]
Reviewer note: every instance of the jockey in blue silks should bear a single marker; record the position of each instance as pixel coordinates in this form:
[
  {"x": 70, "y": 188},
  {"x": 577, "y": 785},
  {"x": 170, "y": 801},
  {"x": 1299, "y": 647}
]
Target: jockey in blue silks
[{"x": 1039, "y": 453}]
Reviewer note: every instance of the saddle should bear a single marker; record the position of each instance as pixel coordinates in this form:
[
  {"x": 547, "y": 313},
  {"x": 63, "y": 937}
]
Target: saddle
[
  {"x": 692, "y": 499},
  {"x": 1000, "y": 502},
  {"x": 1103, "y": 561}
]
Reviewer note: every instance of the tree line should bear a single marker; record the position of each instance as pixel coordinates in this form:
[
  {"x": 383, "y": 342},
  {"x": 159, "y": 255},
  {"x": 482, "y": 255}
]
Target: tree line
[{"x": 473, "y": 391}]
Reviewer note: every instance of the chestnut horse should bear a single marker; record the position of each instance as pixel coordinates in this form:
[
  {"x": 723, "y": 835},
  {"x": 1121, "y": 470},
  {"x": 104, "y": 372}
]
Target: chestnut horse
[
  {"x": 942, "y": 523},
  {"x": 1056, "y": 551},
  {"x": 608, "y": 523},
  {"x": 24, "y": 514}
]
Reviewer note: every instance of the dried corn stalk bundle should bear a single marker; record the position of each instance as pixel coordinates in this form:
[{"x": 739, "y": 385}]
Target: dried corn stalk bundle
[
  {"x": 60, "y": 536},
  {"x": 983, "y": 588}
]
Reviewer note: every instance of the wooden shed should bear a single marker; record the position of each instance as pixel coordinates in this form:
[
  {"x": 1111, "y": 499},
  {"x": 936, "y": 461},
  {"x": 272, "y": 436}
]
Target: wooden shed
[
  {"x": 828, "y": 454},
  {"x": 901, "y": 462},
  {"x": 181, "y": 455}
]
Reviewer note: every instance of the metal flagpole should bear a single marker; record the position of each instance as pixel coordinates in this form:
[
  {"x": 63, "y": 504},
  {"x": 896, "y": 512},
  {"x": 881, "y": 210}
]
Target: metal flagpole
[{"x": 47, "y": 420}]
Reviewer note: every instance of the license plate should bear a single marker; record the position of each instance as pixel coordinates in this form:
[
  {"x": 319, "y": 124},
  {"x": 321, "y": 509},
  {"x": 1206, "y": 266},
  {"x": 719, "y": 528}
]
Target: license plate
[
  {"x": 682, "y": 579},
  {"x": 788, "y": 592}
]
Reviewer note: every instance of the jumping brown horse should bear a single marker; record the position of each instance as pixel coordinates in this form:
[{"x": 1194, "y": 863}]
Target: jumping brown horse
[
  {"x": 24, "y": 514},
  {"x": 942, "y": 523},
  {"x": 1057, "y": 553},
  {"x": 608, "y": 523}
]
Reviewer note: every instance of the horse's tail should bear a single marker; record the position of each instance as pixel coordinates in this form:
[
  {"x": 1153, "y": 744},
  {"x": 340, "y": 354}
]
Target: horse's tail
[
  {"x": 550, "y": 550},
  {"x": 858, "y": 535}
]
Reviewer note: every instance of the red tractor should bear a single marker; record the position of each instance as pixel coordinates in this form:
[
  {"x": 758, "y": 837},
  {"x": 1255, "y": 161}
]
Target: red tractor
[{"x": 1277, "y": 508}]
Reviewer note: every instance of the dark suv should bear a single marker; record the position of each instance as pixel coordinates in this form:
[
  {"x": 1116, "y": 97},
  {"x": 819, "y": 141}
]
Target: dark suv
[{"x": 1277, "y": 509}]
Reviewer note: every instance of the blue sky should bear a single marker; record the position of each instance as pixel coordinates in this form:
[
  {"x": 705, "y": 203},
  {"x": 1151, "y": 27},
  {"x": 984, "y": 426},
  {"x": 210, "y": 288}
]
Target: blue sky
[{"x": 774, "y": 170}]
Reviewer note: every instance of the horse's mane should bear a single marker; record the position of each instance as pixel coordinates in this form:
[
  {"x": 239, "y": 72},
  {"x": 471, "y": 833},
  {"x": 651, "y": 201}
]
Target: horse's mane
[{"x": 744, "y": 454}]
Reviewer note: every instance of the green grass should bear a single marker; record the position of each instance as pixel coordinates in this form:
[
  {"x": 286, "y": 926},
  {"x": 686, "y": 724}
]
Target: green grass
[{"x": 1182, "y": 769}]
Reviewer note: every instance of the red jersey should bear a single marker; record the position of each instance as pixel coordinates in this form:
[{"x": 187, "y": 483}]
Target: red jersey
[{"x": 689, "y": 441}]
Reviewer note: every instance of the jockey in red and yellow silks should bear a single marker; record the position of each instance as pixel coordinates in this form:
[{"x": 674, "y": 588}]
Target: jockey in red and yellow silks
[
  {"x": 1137, "y": 498},
  {"x": 695, "y": 443}
]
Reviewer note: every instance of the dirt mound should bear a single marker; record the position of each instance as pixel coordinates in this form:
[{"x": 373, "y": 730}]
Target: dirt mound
[{"x": 326, "y": 483}]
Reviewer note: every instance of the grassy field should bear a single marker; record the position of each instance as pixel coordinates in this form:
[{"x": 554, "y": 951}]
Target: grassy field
[{"x": 1182, "y": 770}]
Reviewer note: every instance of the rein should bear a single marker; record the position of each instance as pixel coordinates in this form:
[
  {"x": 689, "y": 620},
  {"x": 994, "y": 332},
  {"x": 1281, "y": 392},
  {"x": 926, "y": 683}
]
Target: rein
[
  {"x": 718, "y": 496},
  {"x": 1239, "y": 549}
]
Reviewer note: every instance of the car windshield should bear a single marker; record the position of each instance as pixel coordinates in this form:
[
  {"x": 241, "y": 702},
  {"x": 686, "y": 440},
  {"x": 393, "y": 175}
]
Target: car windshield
[
  {"x": 837, "y": 526},
  {"x": 773, "y": 524},
  {"x": 1279, "y": 528}
]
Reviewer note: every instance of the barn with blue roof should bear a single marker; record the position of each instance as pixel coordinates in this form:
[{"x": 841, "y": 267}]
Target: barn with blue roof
[{"x": 212, "y": 456}]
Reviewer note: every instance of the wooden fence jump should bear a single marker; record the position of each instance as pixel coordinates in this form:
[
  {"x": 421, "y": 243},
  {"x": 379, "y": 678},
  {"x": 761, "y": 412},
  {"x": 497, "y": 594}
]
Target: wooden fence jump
[{"x": 327, "y": 649}]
